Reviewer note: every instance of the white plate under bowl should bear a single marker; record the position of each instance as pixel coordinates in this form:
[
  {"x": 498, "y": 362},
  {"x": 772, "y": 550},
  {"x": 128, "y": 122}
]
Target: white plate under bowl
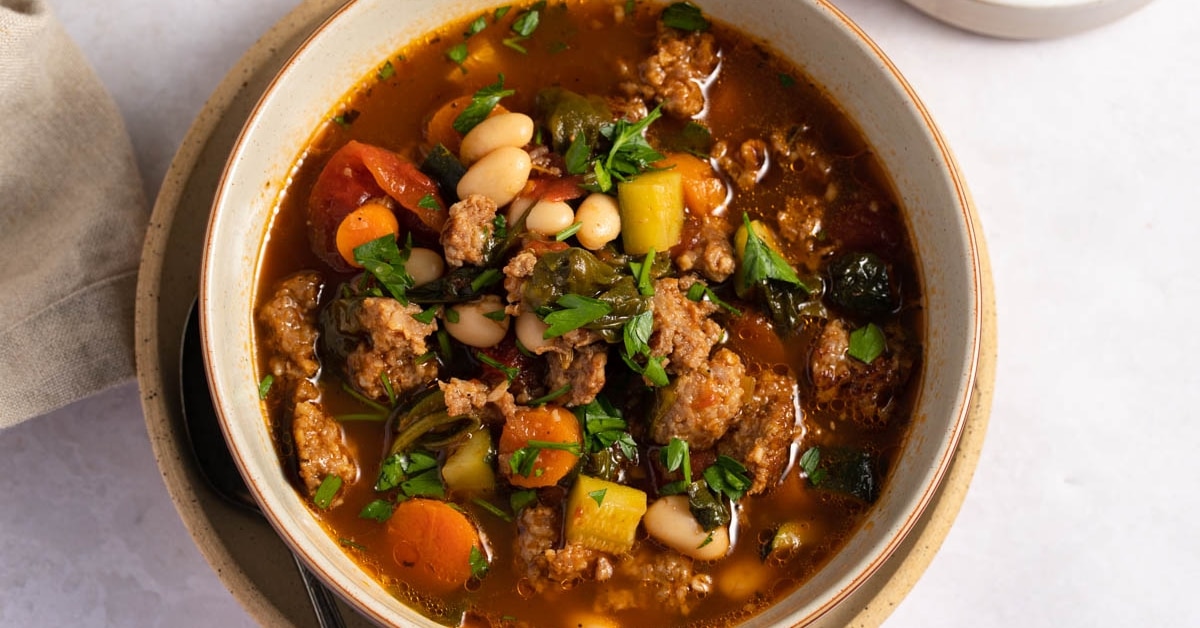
[{"x": 1028, "y": 19}]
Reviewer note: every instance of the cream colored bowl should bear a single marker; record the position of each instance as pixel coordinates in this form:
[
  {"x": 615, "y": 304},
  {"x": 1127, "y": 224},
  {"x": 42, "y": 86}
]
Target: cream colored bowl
[{"x": 812, "y": 34}]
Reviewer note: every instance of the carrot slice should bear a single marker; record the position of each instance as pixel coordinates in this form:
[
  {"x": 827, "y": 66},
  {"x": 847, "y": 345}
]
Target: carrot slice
[
  {"x": 547, "y": 424},
  {"x": 369, "y": 222},
  {"x": 703, "y": 190},
  {"x": 440, "y": 128},
  {"x": 432, "y": 543}
]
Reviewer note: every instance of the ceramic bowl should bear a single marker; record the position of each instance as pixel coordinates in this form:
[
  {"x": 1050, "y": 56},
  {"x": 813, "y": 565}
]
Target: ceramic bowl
[
  {"x": 814, "y": 35},
  {"x": 1028, "y": 19}
]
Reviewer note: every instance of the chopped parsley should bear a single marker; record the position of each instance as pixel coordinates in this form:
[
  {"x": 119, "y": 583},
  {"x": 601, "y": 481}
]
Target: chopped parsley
[
  {"x": 636, "y": 336},
  {"x": 482, "y": 103},
  {"x": 810, "y": 463},
  {"x": 699, "y": 292},
  {"x": 264, "y": 386},
  {"x": 760, "y": 263},
  {"x": 510, "y": 372},
  {"x": 380, "y": 510},
  {"x": 685, "y": 16},
  {"x": 520, "y": 499},
  {"x": 385, "y": 261},
  {"x": 728, "y": 477},
  {"x": 476, "y": 26},
  {"x": 598, "y": 496},
  {"x": 429, "y": 201},
  {"x": 458, "y": 54},
  {"x": 386, "y": 72},
  {"x": 492, "y": 508},
  {"x": 327, "y": 491},
  {"x": 867, "y": 343},
  {"x": 451, "y": 315},
  {"x": 551, "y": 396},
  {"x": 397, "y": 467},
  {"x": 578, "y": 154},
  {"x": 786, "y": 80},
  {"x": 563, "y": 235},
  {"x": 495, "y": 315},
  {"x": 425, "y": 484},
  {"x": 574, "y": 312},
  {"x": 642, "y": 270},
  {"x": 501, "y": 12},
  {"x": 629, "y": 155},
  {"x": 603, "y": 427},
  {"x": 479, "y": 563},
  {"x": 426, "y": 317},
  {"x": 344, "y": 542},
  {"x": 346, "y": 118},
  {"x": 522, "y": 460}
]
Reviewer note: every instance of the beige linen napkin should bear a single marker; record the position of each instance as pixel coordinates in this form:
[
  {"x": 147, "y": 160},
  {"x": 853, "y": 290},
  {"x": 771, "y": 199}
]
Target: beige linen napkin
[{"x": 72, "y": 215}]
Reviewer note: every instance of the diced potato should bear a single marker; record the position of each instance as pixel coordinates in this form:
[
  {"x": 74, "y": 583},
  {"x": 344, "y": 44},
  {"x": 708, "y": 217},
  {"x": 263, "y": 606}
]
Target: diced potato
[
  {"x": 468, "y": 469},
  {"x": 603, "y": 515},
  {"x": 651, "y": 211}
]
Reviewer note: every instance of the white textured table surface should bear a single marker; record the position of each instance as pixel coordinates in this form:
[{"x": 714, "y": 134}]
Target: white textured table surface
[{"x": 1084, "y": 158}]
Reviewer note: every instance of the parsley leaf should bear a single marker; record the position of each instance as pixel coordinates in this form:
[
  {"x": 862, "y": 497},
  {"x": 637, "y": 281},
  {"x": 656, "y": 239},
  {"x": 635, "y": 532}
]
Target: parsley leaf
[
  {"x": 636, "y": 334},
  {"x": 728, "y": 476},
  {"x": 867, "y": 343},
  {"x": 426, "y": 317},
  {"x": 458, "y": 54},
  {"x": 479, "y": 563},
  {"x": 760, "y": 262},
  {"x": 264, "y": 386},
  {"x": 425, "y": 484},
  {"x": 676, "y": 456},
  {"x": 428, "y": 201},
  {"x": 481, "y": 105},
  {"x": 328, "y": 489},
  {"x": 502, "y": 11},
  {"x": 598, "y": 495},
  {"x": 810, "y": 463},
  {"x": 380, "y": 510},
  {"x": 523, "y": 459},
  {"x": 685, "y": 16},
  {"x": 644, "y": 280},
  {"x": 603, "y": 426},
  {"x": 526, "y": 23},
  {"x": 383, "y": 259},
  {"x": 474, "y": 27},
  {"x": 520, "y": 499},
  {"x": 386, "y": 72},
  {"x": 510, "y": 372},
  {"x": 578, "y": 154},
  {"x": 698, "y": 292},
  {"x": 630, "y": 154},
  {"x": 575, "y": 312}
]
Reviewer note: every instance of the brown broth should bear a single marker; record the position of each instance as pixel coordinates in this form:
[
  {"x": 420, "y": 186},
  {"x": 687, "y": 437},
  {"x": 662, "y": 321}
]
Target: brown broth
[{"x": 391, "y": 113}]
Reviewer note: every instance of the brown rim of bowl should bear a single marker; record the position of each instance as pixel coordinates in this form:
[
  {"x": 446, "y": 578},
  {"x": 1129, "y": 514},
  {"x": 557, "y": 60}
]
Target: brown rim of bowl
[{"x": 914, "y": 514}]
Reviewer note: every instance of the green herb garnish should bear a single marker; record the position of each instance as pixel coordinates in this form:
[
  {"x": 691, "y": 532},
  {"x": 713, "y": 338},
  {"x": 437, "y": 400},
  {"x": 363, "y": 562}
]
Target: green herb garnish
[
  {"x": 760, "y": 262},
  {"x": 425, "y": 484},
  {"x": 867, "y": 343},
  {"x": 385, "y": 261},
  {"x": 685, "y": 16},
  {"x": 786, "y": 80},
  {"x": 630, "y": 153},
  {"x": 510, "y": 372},
  {"x": 603, "y": 426},
  {"x": 458, "y": 53},
  {"x": 563, "y": 235},
  {"x": 728, "y": 476},
  {"x": 426, "y": 317},
  {"x": 551, "y": 396},
  {"x": 346, "y": 118},
  {"x": 574, "y": 312},
  {"x": 428, "y": 202},
  {"x": 810, "y": 463},
  {"x": 501, "y": 12},
  {"x": 523, "y": 459},
  {"x": 598, "y": 495},
  {"x": 386, "y": 72},
  {"x": 379, "y": 510},
  {"x": 475, "y": 26},
  {"x": 699, "y": 292},
  {"x": 676, "y": 456},
  {"x": 578, "y": 154},
  {"x": 264, "y": 386},
  {"x": 479, "y": 563},
  {"x": 327, "y": 491},
  {"x": 492, "y": 508},
  {"x": 520, "y": 499},
  {"x": 482, "y": 103}
]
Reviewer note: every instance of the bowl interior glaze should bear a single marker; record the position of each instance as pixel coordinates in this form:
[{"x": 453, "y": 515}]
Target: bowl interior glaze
[{"x": 813, "y": 35}]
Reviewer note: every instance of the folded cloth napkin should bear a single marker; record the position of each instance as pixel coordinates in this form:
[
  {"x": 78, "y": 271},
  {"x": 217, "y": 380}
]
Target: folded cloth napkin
[{"x": 72, "y": 216}]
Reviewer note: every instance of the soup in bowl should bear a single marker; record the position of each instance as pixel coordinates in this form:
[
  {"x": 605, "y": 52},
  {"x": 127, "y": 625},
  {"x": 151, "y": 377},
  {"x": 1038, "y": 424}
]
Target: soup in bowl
[{"x": 591, "y": 312}]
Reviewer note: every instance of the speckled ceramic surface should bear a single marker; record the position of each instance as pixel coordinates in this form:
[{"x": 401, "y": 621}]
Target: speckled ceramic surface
[{"x": 246, "y": 553}]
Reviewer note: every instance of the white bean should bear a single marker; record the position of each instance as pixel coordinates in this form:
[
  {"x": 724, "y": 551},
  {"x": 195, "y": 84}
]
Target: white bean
[
  {"x": 506, "y": 129},
  {"x": 474, "y": 329},
  {"x": 531, "y": 330},
  {"x": 549, "y": 217},
  {"x": 500, "y": 175},
  {"x": 669, "y": 521},
  {"x": 424, "y": 265},
  {"x": 518, "y": 208},
  {"x": 599, "y": 220}
]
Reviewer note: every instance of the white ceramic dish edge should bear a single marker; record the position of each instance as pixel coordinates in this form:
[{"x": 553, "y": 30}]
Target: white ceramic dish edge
[
  {"x": 813, "y": 34},
  {"x": 1028, "y": 19}
]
